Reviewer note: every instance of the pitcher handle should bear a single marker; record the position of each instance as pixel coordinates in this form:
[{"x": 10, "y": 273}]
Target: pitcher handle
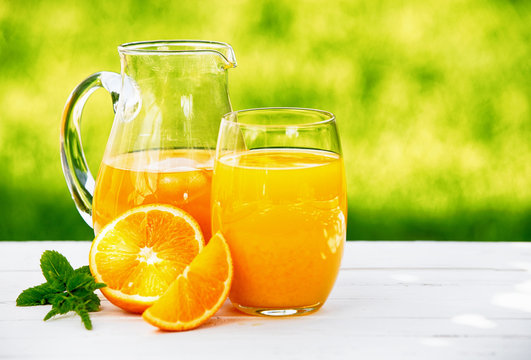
[{"x": 75, "y": 168}]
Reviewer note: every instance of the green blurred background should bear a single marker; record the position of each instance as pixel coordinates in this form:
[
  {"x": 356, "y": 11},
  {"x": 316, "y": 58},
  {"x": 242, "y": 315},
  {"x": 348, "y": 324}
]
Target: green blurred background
[{"x": 433, "y": 101}]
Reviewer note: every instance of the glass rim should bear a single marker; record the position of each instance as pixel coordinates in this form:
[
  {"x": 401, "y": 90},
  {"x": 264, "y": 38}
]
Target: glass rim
[
  {"x": 147, "y": 48},
  {"x": 232, "y": 117}
]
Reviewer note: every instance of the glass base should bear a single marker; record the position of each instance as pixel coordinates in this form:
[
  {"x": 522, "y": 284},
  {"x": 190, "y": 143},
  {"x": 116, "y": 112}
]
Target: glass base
[{"x": 278, "y": 312}]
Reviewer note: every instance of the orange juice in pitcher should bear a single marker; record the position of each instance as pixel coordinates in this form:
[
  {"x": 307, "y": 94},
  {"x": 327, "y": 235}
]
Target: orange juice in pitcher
[
  {"x": 168, "y": 100},
  {"x": 180, "y": 177}
]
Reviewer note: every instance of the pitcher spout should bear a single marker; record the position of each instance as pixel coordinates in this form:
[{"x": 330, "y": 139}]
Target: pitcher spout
[{"x": 223, "y": 51}]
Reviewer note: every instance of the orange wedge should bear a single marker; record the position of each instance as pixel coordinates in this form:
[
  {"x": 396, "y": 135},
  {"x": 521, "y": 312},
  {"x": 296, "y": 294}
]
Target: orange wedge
[
  {"x": 198, "y": 292},
  {"x": 140, "y": 253}
]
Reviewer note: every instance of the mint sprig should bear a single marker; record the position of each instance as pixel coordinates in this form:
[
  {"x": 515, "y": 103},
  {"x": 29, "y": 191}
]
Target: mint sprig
[{"x": 65, "y": 289}]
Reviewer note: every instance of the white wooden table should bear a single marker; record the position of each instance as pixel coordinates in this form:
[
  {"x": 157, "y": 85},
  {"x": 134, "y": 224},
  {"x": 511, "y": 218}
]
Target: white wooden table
[{"x": 392, "y": 300}]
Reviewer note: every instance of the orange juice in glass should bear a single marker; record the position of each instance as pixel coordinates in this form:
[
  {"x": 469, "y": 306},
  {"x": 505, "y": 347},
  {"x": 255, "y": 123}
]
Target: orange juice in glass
[
  {"x": 179, "y": 177},
  {"x": 279, "y": 198}
]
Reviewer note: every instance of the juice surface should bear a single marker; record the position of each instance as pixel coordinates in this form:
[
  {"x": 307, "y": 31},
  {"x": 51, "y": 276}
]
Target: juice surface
[
  {"x": 283, "y": 213},
  {"x": 179, "y": 177}
]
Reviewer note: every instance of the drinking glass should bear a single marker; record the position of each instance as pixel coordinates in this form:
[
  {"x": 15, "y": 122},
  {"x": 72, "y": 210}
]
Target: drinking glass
[{"x": 279, "y": 199}]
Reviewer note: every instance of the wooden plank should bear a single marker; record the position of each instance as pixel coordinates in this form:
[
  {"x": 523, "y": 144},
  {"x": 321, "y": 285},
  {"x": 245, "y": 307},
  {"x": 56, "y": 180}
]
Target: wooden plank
[
  {"x": 237, "y": 337},
  {"x": 358, "y": 254},
  {"x": 350, "y": 317},
  {"x": 25, "y": 255},
  {"x": 437, "y": 254},
  {"x": 386, "y": 293}
]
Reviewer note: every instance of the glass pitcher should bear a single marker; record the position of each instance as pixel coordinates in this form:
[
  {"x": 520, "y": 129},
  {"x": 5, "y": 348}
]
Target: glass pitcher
[{"x": 168, "y": 102}]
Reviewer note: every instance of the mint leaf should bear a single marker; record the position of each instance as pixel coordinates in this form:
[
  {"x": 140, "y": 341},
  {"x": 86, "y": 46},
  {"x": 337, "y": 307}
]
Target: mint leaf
[
  {"x": 51, "y": 313},
  {"x": 84, "y": 315},
  {"x": 92, "y": 303},
  {"x": 99, "y": 285},
  {"x": 36, "y": 295},
  {"x": 66, "y": 289},
  {"x": 83, "y": 269},
  {"x": 55, "y": 268},
  {"x": 78, "y": 280},
  {"x": 62, "y": 303}
]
